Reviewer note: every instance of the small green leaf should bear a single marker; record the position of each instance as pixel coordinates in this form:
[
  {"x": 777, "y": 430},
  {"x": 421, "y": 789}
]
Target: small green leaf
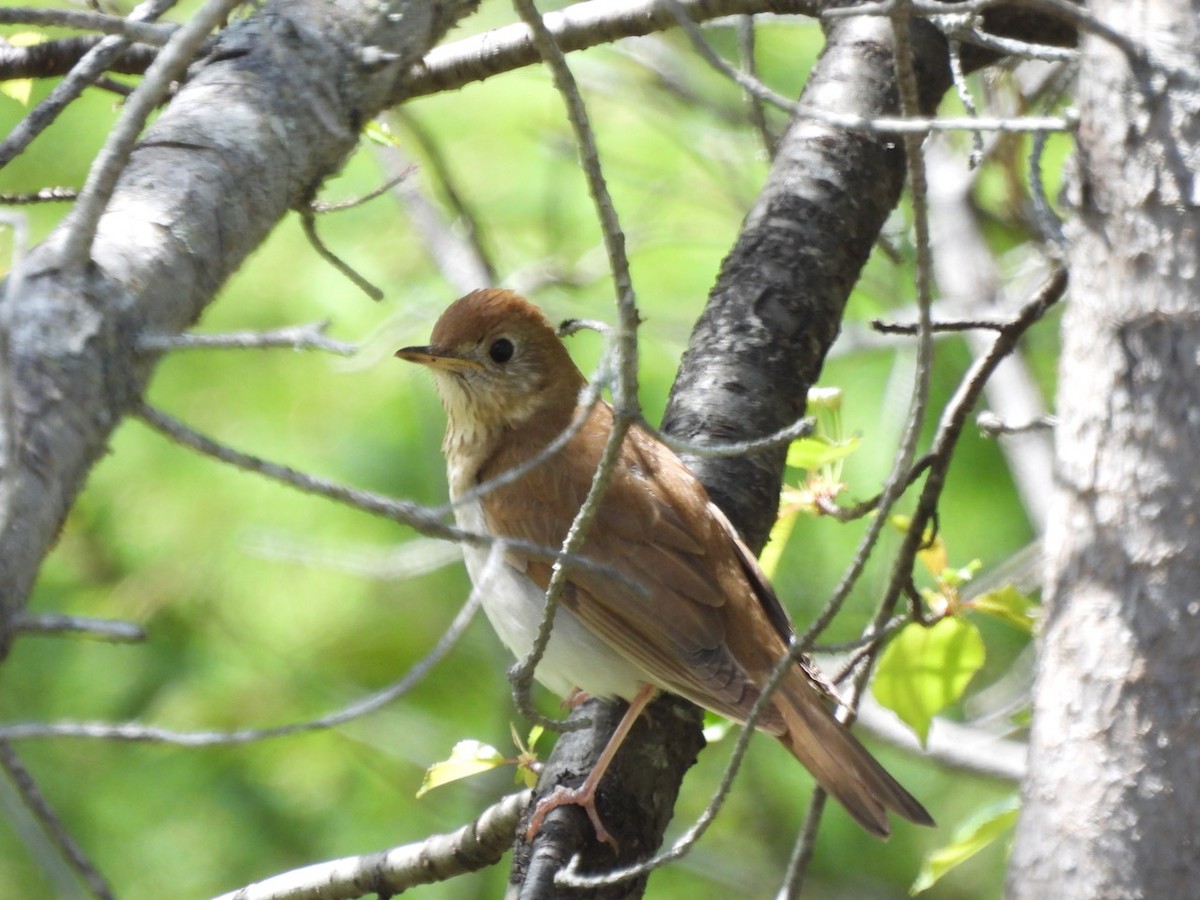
[
  {"x": 378, "y": 133},
  {"x": 466, "y": 759},
  {"x": 1007, "y": 604},
  {"x": 989, "y": 825},
  {"x": 535, "y": 734},
  {"x": 956, "y": 578},
  {"x": 924, "y": 670},
  {"x": 18, "y": 89},
  {"x": 814, "y": 452}
]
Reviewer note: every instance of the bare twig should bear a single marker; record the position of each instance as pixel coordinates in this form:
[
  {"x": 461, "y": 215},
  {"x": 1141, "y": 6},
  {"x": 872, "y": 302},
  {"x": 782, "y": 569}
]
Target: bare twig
[
  {"x": 798, "y": 429},
  {"x": 1047, "y": 222},
  {"x": 577, "y": 27},
  {"x": 308, "y": 221},
  {"x": 136, "y": 732},
  {"x": 45, "y": 195},
  {"x": 438, "y": 857},
  {"x": 134, "y": 28},
  {"x": 758, "y": 114},
  {"x": 429, "y": 522},
  {"x": 991, "y": 425},
  {"x": 51, "y": 824},
  {"x": 964, "y": 96},
  {"x": 322, "y": 208},
  {"x": 296, "y": 337},
  {"x": 939, "y": 327},
  {"x": 467, "y": 229},
  {"x": 100, "y": 629}
]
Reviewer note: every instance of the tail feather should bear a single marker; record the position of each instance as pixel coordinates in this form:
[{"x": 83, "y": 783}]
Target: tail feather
[{"x": 840, "y": 764}]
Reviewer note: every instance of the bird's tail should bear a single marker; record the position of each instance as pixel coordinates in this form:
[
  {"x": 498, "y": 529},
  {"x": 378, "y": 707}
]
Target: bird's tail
[{"x": 839, "y": 763}]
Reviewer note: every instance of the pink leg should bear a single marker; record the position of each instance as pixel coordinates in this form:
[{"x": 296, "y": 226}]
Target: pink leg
[{"x": 585, "y": 794}]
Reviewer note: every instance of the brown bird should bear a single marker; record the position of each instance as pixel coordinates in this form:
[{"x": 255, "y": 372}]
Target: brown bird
[{"x": 693, "y": 615}]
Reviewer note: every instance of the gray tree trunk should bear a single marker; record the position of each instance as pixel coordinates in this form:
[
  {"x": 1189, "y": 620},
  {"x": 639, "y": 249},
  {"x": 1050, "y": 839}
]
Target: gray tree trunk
[{"x": 1112, "y": 801}]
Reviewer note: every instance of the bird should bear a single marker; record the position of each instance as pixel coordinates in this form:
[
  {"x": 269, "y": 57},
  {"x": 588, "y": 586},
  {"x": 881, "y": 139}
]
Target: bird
[{"x": 672, "y": 599}]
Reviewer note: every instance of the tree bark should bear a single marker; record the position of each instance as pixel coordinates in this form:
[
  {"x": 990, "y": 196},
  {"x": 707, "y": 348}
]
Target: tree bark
[
  {"x": 1112, "y": 801},
  {"x": 253, "y": 133}
]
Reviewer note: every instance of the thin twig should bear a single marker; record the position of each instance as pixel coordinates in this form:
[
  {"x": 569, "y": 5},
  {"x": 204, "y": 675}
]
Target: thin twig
[
  {"x": 1047, "y": 222},
  {"x": 45, "y": 195},
  {"x": 322, "y": 208},
  {"x": 296, "y": 337},
  {"x": 100, "y": 629},
  {"x": 136, "y": 732},
  {"x": 798, "y": 429},
  {"x": 577, "y": 27},
  {"x": 947, "y": 326},
  {"x": 467, "y": 228},
  {"x": 429, "y": 522},
  {"x": 754, "y": 104},
  {"x": 1011, "y": 46},
  {"x": 170, "y": 63},
  {"x": 625, "y": 392},
  {"x": 964, "y": 96},
  {"x": 36, "y": 802},
  {"x": 990, "y": 425},
  {"x": 308, "y": 221},
  {"x": 134, "y": 29}
]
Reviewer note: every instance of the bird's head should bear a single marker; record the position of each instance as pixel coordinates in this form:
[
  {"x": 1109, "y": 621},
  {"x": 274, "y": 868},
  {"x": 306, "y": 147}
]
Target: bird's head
[{"x": 498, "y": 363}]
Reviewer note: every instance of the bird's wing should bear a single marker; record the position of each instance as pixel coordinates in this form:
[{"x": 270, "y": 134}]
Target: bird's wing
[{"x": 670, "y": 613}]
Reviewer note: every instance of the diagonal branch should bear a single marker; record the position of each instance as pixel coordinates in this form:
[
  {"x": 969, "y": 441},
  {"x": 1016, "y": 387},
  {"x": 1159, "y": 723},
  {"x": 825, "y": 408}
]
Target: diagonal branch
[{"x": 274, "y": 111}]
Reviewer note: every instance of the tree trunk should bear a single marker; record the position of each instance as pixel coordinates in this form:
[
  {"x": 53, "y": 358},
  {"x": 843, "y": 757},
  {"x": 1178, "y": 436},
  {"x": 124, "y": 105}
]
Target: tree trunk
[{"x": 1112, "y": 801}]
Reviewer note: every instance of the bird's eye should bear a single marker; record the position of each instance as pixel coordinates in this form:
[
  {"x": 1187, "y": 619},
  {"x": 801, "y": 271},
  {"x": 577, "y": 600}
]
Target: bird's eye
[{"x": 501, "y": 350}]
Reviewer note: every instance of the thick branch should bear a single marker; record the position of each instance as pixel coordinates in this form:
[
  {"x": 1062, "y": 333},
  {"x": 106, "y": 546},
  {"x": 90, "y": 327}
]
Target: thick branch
[
  {"x": 778, "y": 302},
  {"x": 275, "y": 110}
]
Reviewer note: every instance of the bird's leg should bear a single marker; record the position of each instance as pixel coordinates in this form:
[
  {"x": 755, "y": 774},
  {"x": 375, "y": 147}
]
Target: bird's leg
[
  {"x": 576, "y": 697},
  {"x": 585, "y": 794}
]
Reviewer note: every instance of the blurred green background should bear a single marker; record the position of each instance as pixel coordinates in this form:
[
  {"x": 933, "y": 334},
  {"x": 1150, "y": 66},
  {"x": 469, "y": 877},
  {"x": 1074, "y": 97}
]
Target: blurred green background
[{"x": 265, "y": 606}]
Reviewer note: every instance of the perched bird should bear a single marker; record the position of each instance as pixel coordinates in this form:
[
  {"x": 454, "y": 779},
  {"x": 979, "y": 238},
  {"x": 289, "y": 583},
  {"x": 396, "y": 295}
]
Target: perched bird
[{"x": 693, "y": 613}]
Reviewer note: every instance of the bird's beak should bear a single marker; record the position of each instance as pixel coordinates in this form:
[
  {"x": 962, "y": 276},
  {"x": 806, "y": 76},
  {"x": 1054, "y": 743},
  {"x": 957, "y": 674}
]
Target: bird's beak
[{"x": 428, "y": 356}]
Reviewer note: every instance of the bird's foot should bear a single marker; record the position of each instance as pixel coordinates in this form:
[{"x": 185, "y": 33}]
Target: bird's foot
[{"x": 584, "y": 796}]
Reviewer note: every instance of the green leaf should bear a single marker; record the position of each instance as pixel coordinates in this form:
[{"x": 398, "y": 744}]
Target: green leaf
[
  {"x": 982, "y": 829},
  {"x": 1007, "y": 604},
  {"x": 18, "y": 89},
  {"x": 814, "y": 452},
  {"x": 466, "y": 759},
  {"x": 924, "y": 670},
  {"x": 378, "y": 133}
]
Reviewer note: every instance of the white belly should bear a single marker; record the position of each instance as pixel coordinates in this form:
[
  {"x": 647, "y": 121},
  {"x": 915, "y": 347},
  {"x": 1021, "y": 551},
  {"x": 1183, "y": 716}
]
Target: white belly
[{"x": 575, "y": 657}]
